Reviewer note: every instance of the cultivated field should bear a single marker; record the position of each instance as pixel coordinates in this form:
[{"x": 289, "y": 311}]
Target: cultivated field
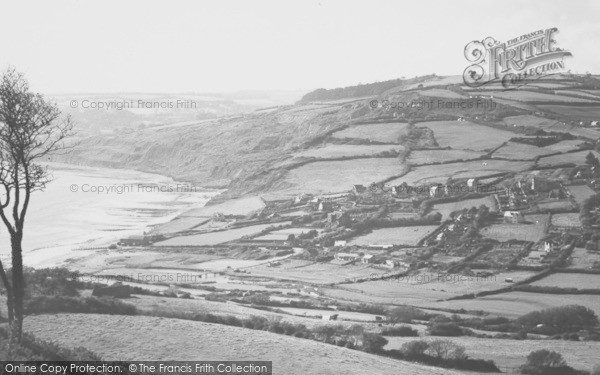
[
  {"x": 331, "y": 151},
  {"x": 513, "y": 353},
  {"x": 394, "y": 236},
  {"x": 385, "y": 132},
  {"x": 421, "y": 157},
  {"x": 570, "y": 280},
  {"x": 584, "y": 259},
  {"x": 336, "y": 176},
  {"x": 533, "y": 230},
  {"x": 137, "y": 338},
  {"x": 589, "y": 113},
  {"x": 441, "y": 172},
  {"x": 466, "y": 135},
  {"x": 215, "y": 238},
  {"x": 566, "y": 220},
  {"x": 515, "y": 304},
  {"x": 581, "y": 192}
]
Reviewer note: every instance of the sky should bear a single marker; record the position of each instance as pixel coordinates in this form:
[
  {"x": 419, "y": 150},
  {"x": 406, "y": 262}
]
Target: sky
[{"x": 223, "y": 46}]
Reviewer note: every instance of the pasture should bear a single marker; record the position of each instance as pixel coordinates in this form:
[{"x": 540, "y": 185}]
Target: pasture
[
  {"x": 584, "y": 259},
  {"x": 440, "y": 173},
  {"x": 580, "y": 192},
  {"x": 332, "y": 151},
  {"x": 215, "y": 238},
  {"x": 394, "y": 236},
  {"x": 570, "y": 280},
  {"x": 577, "y": 158},
  {"x": 337, "y": 176},
  {"x": 533, "y": 230},
  {"x": 422, "y": 157},
  {"x": 466, "y": 135},
  {"x": 384, "y": 132},
  {"x": 566, "y": 220},
  {"x": 515, "y": 304},
  {"x": 447, "y": 208}
]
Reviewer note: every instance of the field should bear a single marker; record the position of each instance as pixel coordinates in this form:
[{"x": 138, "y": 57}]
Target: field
[
  {"x": 283, "y": 234},
  {"x": 331, "y": 151},
  {"x": 316, "y": 273},
  {"x": 515, "y": 304},
  {"x": 441, "y": 93},
  {"x": 134, "y": 338},
  {"x": 336, "y": 176},
  {"x": 441, "y": 172},
  {"x": 566, "y": 220},
  {"x": 520, "y": 151},
  {"x": 529, "y": 96},
  {"x": 551, "y": 204},
  {"x": 589, "y": 113},
  {"x": 581, "y": 192},
  {"x": 583, "y": 259},
  {"x": 415, "y": 289},
  {"x": 570, "y": 280},
  {"x": 466, "y": 135},
  {"x": 513, "y": 353},
  {"x": 421, "y": 157},
  {"x": 533, "y": 230},
  {"x": 447, "y": 208},
  {"x": 385, "y": 132},
  {"x": 215, "y": 238},
  {"x": 394, "y": 236},
  {"x": 571, "y": 157}
]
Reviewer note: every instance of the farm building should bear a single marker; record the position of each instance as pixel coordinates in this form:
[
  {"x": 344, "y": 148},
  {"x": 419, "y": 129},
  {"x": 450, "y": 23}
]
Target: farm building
[
  {"x": 339, "y": 243},
  {"x": 330, "y": 317},
  {"x": 135, "y": 241},
  {"x": 346, "y": 256},
  {"x": 368, "y": 258},
  {"x": 514, "y": 217},
  {"x": 357, "y": 189}
]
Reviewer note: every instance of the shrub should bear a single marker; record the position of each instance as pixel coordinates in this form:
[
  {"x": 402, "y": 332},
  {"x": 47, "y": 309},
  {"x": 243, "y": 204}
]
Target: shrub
[
  {"x": 445, "y": 329},
  {"x": 372, "y": 342},
  {"x": 415, "y": 348},
  {"x": 399, "y": 331},
  {"x": 87, "y": 305},
  {"x": 547, "y": 362},
  {"x": 446, "y": 349}
]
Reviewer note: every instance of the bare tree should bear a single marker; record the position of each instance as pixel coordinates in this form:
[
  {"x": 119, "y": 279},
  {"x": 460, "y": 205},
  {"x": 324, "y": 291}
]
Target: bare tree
[{"x": 31, "y": 129}]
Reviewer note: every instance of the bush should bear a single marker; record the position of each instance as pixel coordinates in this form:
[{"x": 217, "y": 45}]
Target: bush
[
  {"x": 415, "y": 348},
  {"x": 87, "y": 305},
  {"x": 445, "y": 329},
  {"x": 547, "y": 362},
  {"x": 399, "y": 331}
]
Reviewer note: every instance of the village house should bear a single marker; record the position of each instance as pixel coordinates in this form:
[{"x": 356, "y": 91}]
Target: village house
[
  {"x": 514, "y": 217},
  {"x": 339, "y": 243},
  {"x": 357, "y": 189},
  {"x": 325, "y": 206}
]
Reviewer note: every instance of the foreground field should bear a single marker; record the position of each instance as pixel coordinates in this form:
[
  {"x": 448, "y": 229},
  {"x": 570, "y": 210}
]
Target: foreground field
[
  {"x": 149, "y": 338},
  {"x": 513, "y": 353}
]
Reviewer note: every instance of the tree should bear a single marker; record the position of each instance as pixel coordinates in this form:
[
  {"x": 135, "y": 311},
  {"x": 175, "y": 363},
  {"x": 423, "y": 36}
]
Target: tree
[
  {"x": 30, "y": 130},
  {"x": 446, "y": 349},
  {"x": 414, "y": 348},
  {"x": 543, "y": 361}
]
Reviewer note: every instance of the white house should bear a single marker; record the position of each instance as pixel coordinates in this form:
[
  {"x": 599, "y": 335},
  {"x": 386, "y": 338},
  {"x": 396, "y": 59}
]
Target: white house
[
  {"x": 339, "y": 243},
  {"x": 346, "y": 256},
  {"x": 367, "y": 258},
  {"x": 514, "y": 217}
]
